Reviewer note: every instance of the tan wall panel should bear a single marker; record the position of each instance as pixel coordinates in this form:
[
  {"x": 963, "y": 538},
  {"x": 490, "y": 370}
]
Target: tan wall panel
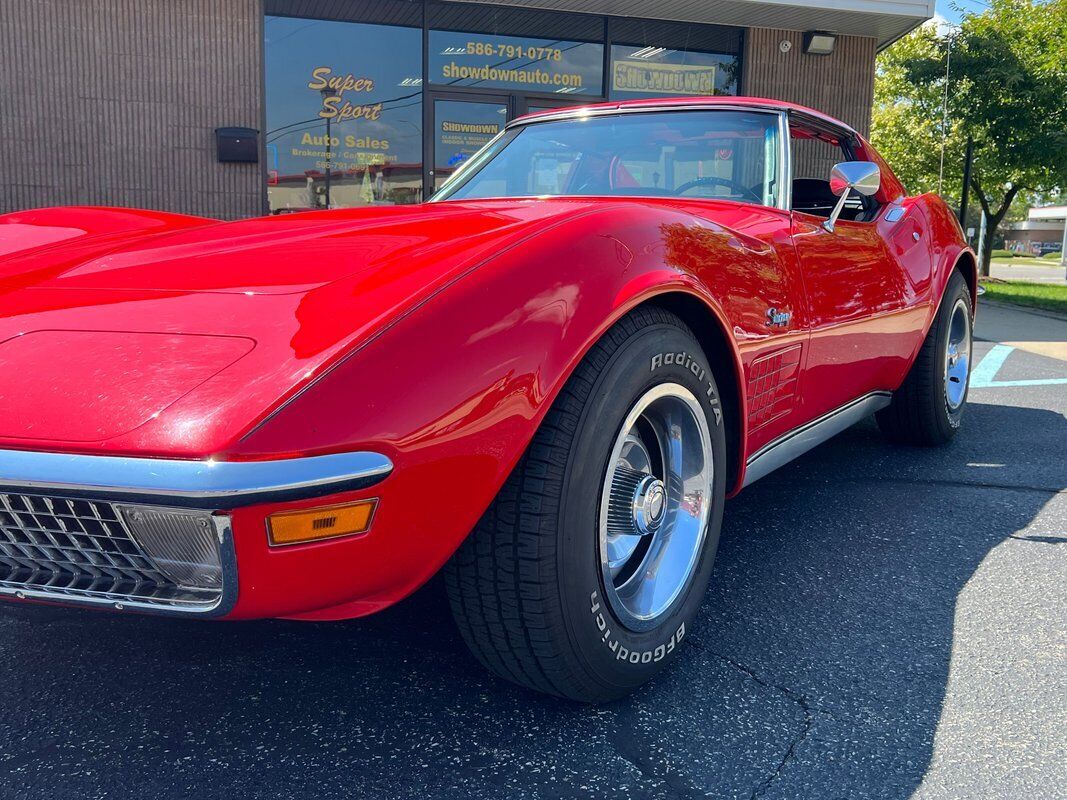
[
  {"x": 841, "y": 84},
  {"x": 116, "y": 101}
]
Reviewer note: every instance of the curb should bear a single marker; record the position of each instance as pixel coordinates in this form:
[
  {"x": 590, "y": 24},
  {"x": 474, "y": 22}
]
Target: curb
[{"x": 1037, "y": 312}]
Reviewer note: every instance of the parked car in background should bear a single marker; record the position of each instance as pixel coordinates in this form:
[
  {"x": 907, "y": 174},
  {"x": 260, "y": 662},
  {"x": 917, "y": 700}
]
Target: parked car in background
[{"x": 547, "y": 380}]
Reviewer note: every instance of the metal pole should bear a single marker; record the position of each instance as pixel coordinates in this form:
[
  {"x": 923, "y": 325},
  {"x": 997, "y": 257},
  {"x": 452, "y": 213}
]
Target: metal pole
[
  {"x": 329, "y": 158},
  {"x": 965, "y": 197},
  {"x": 1063, "y": 246},
  {"x": 983, "y": 268},
  {"x": 326, "y": 94},
  {"x": 944, "y": 113}
]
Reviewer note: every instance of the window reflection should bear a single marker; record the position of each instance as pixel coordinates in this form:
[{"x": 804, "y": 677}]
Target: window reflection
[
  {"x": 344, "y": 114},
  {"x": 461, "y": 129},
  {"x": 524, "y": 63},
  {"x": 652, "y": 71},
  {"x": 344, "y": 93}
]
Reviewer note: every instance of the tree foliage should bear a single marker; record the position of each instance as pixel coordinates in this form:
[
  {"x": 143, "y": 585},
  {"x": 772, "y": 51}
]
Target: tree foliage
[{"x": 1006, "y": 88}]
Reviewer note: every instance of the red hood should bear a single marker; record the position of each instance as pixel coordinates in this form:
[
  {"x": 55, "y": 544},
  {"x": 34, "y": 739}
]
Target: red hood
[{"x": 168, "y": 335}]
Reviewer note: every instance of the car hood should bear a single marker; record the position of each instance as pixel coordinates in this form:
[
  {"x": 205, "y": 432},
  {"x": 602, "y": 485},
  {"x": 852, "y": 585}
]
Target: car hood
[
  {"x": 285, "y": 254},
  {"x": 175, "y": 338}
]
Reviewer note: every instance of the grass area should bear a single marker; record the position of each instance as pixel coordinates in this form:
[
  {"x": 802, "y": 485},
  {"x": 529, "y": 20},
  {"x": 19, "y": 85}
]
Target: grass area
[{"x": 1047, "y": 296}]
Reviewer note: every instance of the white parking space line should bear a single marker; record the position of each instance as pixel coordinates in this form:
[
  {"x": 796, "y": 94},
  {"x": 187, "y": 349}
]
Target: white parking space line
[{"x": 985, "y": 373}]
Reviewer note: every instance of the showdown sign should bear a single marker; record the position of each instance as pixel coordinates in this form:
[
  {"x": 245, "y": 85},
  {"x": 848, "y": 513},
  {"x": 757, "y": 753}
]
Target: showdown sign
[
  {"x": 465, "y": 138},
  {"x": 640, "y": 76}
]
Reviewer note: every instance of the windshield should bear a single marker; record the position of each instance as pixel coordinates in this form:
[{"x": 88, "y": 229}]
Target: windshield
[{"x": 730, "y": 155}]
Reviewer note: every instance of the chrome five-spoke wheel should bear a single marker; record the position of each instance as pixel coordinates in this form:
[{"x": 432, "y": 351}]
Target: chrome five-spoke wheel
[
  {"x": 928, "y": 406},
  {"x": 654, "y": 505},
  {"x": 586, "y": 575},
  {"x": 958, "y": 354}
]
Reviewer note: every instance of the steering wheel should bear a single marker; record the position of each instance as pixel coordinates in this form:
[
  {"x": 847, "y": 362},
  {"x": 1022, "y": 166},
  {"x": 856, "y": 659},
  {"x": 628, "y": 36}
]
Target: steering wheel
[{"x": 738, "y": 188}]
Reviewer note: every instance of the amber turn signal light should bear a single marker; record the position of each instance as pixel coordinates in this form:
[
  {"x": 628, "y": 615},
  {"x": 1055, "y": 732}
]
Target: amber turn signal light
[{"x": 314, "y": 524}]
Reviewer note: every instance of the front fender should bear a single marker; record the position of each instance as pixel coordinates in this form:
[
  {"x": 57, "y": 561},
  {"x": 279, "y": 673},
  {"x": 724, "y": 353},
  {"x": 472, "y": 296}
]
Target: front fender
[
  {"x": 453, "y": 392},
  {"x": 948, "y": 247}
]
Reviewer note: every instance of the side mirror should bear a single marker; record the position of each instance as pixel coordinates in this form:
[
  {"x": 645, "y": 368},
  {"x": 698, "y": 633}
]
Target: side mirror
[{"x": 863, "y": 177}]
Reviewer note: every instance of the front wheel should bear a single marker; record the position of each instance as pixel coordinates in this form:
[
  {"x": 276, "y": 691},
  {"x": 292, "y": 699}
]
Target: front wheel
[
  {"x": 928, "y": 408},
  {"x": 585, "y": 575}
]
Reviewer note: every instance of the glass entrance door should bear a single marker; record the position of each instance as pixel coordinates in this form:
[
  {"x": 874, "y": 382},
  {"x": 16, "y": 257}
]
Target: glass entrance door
[{"x": 461, "y": 124}]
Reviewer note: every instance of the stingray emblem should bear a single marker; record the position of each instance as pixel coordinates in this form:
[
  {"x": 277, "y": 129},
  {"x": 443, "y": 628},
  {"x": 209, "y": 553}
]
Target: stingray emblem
[{"x": 777, "y": 318}]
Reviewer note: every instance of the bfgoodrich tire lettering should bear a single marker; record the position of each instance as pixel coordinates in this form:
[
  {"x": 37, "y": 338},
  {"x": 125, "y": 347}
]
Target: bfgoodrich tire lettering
[{"x": 527, "y": 588}]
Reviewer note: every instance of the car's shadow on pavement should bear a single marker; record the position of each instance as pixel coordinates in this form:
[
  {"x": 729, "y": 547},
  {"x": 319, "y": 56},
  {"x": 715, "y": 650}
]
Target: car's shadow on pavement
[{"x": 818, "y": 667}]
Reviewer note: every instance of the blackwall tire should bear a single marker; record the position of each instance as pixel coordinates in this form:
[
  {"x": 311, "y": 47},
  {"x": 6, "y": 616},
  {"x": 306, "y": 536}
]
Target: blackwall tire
[
  {"x": 542, "y": 590},
  {"x": 928, "y": 408}
]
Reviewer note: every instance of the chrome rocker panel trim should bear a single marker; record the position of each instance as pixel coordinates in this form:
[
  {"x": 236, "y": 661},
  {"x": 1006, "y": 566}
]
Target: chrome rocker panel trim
[
  {"x": 225, "y": 603},
  {"x": 800, "y": 440},
  {"x": 197, "y": 484}
]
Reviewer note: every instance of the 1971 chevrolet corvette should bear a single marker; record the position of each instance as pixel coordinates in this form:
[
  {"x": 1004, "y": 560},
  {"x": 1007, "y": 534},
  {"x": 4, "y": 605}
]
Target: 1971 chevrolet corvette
[{"x": 546, "y": 380}]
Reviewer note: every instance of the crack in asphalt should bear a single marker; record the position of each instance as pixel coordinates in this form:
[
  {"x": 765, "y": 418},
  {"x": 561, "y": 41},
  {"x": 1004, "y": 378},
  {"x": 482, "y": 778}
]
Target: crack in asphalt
[
  {"x": 805, "y": 729},
  {"x": 770, "y": 779},
  {"x": 635, "y": 757},
  {"x": 796, "y": 697}
]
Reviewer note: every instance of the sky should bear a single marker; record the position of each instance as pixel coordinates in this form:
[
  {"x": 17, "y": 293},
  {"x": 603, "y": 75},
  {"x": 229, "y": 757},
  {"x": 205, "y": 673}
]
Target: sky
[{"x": 951, "y": 10}]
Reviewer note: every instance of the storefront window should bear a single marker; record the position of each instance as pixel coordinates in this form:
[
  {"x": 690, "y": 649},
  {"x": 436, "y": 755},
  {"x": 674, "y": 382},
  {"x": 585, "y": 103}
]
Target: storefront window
[
  {"x": 652, "y": 71},
  {"x": 522, "y": 63},
  {"x": 344, "y": 114},
  {"x": 350, "y": 123}
]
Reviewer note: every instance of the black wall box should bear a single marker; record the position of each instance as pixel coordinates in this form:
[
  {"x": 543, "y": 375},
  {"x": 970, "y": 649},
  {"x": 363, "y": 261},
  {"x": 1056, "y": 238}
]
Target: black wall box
[{"x": 237, "y": 145}]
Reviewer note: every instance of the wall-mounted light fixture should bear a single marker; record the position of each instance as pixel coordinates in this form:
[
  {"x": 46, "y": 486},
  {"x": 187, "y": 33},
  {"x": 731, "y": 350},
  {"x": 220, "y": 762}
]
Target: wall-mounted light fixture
[{"x": 819, "y": 43}]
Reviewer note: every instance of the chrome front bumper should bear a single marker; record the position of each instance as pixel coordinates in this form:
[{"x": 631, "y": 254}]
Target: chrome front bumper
[
  {"x": 217, "y": 485},
  {"x": 145, "y": 534}
]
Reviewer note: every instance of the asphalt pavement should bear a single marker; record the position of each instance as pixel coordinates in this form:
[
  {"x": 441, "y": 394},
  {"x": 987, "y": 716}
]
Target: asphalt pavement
[
  {"x": 883, "y": 622},
  {"x": 1030, "y": 269}
]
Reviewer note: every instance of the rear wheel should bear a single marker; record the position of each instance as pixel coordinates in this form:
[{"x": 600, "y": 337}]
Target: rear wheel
[
  {"x": 585, "y": 575},
  {"x": 928, "y": 407}
]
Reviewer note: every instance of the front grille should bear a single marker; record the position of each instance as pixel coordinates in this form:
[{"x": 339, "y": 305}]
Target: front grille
[{"x": 73, "y": 549}]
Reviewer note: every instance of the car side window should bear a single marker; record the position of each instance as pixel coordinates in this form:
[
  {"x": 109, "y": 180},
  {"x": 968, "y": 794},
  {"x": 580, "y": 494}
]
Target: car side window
[{"x": 814, "y": 153}]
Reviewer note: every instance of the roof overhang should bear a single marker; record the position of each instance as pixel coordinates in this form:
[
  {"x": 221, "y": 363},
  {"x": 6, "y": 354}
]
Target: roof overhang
[
  {"x": 1032, "y": 225},
  {"x": 1049, "y": 213},
  {"x": 885, "y": 20}
]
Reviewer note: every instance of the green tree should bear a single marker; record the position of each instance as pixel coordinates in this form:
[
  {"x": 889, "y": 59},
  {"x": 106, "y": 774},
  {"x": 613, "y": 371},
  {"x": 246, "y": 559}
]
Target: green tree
[{"x": 1006, "y": 88}]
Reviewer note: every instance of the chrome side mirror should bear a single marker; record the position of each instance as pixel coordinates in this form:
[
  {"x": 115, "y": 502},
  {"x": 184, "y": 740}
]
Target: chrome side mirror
[{"x": 863, "y": 177}]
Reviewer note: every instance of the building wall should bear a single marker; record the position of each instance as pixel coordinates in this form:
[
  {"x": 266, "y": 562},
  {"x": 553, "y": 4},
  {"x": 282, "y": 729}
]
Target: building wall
[
  {"x": 116, "y": 101},
  {"x": 1031, "y": 239},
  {"x": 840, "y": 84}
]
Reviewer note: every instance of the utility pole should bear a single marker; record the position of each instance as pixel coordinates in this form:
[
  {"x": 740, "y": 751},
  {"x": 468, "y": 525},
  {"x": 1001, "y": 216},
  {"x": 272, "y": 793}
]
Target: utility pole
[{"x": 944, "y": 113}]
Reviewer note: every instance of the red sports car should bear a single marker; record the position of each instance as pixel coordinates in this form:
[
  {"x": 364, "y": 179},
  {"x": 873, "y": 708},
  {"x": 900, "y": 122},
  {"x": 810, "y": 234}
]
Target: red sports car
[{"x": 546, "y": 380}]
